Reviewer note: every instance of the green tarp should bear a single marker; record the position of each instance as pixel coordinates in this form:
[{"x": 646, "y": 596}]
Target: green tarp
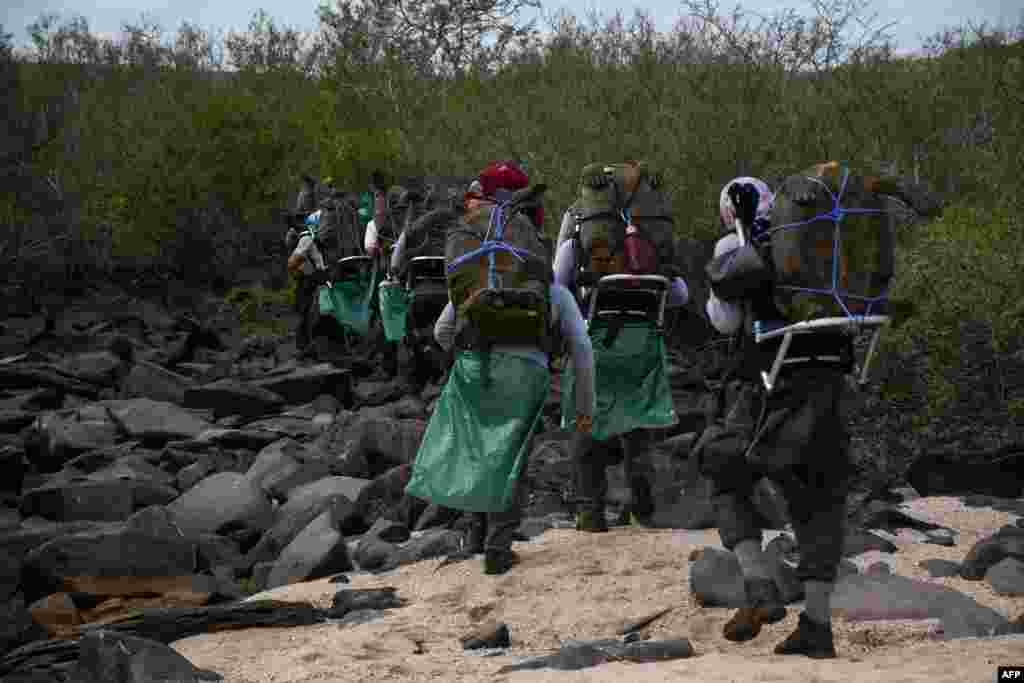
[
  {"x": 394, "y": 311},
  {"x": 478, "y": 439},
  {"x": 350, "y": 301},
  {"x": 631, "y": 382}
]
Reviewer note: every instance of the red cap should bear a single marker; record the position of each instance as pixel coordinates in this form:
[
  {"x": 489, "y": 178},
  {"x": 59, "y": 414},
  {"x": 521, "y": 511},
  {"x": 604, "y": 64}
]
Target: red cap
[{"x": 503, "y": 175}]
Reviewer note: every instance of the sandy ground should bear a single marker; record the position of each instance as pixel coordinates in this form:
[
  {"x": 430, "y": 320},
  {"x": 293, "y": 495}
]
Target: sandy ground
[{"x": 582, "y": 586}]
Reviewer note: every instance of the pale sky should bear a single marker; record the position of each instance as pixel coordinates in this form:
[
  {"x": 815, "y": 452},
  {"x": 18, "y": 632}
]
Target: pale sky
[{"x": 914, "y": 18}]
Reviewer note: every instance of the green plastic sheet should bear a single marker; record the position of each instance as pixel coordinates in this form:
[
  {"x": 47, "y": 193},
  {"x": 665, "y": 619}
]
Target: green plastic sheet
[
  {"x": 394, "y": 311},
  {"x": 479, "y": 437},
  {"x": 350, "y": 301},
  {"x": 631, "y": 382}
]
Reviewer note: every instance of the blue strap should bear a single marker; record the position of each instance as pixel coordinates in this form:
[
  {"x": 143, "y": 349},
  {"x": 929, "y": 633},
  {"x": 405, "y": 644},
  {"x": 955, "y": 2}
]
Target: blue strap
[
  {"x": 490, "y": 247},
  {"x": 836, "y": 214}
]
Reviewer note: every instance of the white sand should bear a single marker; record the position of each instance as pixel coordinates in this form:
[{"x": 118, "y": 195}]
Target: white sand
[{"x": 582, "y": 586}]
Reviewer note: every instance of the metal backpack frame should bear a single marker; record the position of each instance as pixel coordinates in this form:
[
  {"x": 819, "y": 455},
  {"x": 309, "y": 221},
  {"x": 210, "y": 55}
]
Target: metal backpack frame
[{"x": 851, "y": 323}]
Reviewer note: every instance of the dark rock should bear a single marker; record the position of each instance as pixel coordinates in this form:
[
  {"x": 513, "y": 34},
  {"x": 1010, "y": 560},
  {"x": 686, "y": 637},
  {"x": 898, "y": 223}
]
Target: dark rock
[
  {"x": 36, "y": 401},
  {"x": 440, "y": 516},
  {"x": 384, "y": 493},
  {"x": 860, "y": 597},
  {"x": 296, "y": 428},
  {"x": 858, "y": 541},
  {"x": 881, "y": 515},
  {"x": 716, "y": 579},
  {"x": 111, "y": 657},
  {"x": 940, "y": 568},
  {"x": 192, "y": 474},
  {"x": 214, "y": 552},
  {"x": 66, "y": 434},
  {"x": 373, "y": 553},
  {"x": 568, "y": 658},
  {"x": 976, "y": 500},
  {"x": 16, "y": 624},
  {"x": 12, "y": 471},
  {"x": 10, "y": 575},
  {"x": 878, "y": 568},
  {"x": 428, "y": 545},
  {"x": 250, "y": 439},
  {"x": 67, "y": 501},
  {"x": 369, "y": 393},
  {"x": 95, "y": 367},
  {"x": 1014, "y": 507},
  {"x": 685, "y": 507},
  {"x": 489, "y": 635},
  {"x": 10, "y": 519},
  {"x": 990, "y": 551},
  {"x": 339, "y": 578},
  {"x": 219, "y": 501},
  {"x": 317, "y": 551},
  {"x": 305, "y": 384},
  {"x": 289, "y": 523},
  {"x": 34, "y": 376},
  {"x": 353, "y": 599},
  {"x": 408, "y": 407},
  {"x": 232, "y": 397},
  {"x": 943, "y": 537},
  {"x": 387, "y": 530},
  {"x": 146, "y": 419},
  {"x": 529, "y": 528},
  {"x": 285, "y": 465},
  {"x": 942, "y": 474},
  {"x": 150, "y": 381},
  {"x": 1007, "y": 577},
  {"x": 353, "y": 442},
  {"x": 117, "y": 551},
  {"x": 12, "y": 421}
]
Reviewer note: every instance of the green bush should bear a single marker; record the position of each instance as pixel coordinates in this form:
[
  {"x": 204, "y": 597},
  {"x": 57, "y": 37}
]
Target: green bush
[{"x": 964, "y": 268}]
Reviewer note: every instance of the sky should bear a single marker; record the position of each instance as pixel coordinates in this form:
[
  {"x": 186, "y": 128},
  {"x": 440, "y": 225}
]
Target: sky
[{"x": 914, "y": 19}]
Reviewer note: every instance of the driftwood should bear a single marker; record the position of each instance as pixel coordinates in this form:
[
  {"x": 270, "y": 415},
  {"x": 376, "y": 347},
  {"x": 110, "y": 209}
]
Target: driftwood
[{"x": 171, "y": 624}]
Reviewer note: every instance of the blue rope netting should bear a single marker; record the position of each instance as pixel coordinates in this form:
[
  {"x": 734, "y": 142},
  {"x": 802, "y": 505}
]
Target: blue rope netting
[
  {"x": 837, "y": 214},
  {"x": 489, "y": 247}
]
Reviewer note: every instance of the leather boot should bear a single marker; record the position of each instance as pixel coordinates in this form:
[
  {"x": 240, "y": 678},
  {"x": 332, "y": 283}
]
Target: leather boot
[
  {"x": 810, "y": 639},
  {"x": 764, "y": 607}
]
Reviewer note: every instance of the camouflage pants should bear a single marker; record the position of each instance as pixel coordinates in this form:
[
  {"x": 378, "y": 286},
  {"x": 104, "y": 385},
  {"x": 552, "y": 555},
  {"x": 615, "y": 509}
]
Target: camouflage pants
[
  {"x": 804, "y": 448},
  {"x": 592, "y": 457}
]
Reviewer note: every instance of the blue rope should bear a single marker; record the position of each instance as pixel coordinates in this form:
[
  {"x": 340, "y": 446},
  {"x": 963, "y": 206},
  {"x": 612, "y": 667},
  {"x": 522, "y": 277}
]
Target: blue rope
[
  {"x": 490, "y": 247},
  {"x": 836, "y": 215}
]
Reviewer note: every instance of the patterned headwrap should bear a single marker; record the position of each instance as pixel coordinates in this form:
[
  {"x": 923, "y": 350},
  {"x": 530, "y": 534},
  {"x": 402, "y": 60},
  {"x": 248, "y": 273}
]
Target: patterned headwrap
[{"x": 764, "y": 207}]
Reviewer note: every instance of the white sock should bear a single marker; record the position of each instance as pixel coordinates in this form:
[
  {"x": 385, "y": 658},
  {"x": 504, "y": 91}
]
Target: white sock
[
  {"x": 818, "y": 601},
  {"x": 753, "y": 561}
]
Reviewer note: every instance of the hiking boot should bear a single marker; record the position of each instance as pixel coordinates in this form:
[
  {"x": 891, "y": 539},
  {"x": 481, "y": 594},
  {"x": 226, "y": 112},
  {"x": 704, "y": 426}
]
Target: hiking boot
[
  {"x": 810, "y": 639},
  {"x": 764, "y": 607},
  {"x": 499, "y": 561},
  {"x": 592, "y": 521}
]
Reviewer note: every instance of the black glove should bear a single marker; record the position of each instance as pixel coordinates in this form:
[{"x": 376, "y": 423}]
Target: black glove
[{"x": 745, "y": 198}]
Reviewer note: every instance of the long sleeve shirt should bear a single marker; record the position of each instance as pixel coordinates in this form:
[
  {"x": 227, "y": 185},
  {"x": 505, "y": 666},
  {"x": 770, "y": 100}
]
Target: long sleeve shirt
[
  {"x": 565, "y": 275},
  {"x": 724, "y": 316},
  {"x": 564, "y": 313}
]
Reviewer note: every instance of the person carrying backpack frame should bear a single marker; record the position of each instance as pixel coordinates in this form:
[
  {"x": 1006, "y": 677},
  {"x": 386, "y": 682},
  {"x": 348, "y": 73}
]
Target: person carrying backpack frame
[
  {"x": 822, "y": 243},
  {"x": 500, "y": 321},
  {"x": 633, "y": 394}
]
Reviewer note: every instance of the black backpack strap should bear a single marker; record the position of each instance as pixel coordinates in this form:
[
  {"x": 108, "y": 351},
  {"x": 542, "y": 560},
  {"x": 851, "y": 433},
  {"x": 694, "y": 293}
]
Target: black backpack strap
[{"x": 614, "y": 329}]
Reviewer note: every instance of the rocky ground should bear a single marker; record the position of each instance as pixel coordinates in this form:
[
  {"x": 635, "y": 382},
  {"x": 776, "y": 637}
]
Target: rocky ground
[{"x": 158, "y": 469}]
